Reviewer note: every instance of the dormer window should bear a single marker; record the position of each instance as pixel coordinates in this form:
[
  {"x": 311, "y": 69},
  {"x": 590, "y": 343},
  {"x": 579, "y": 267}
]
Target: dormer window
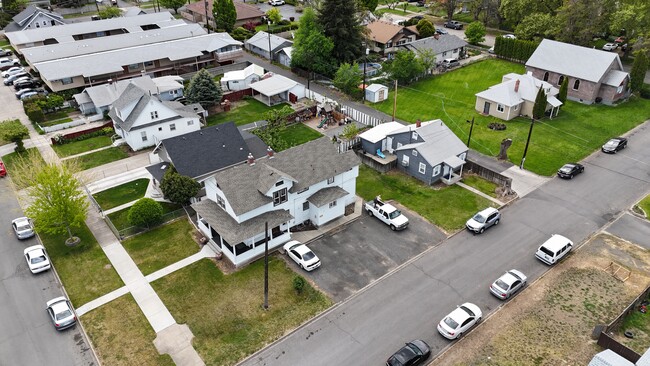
[
  {"x": 279, "y": 197},
  {"x": 221, "y": 202},
  {"x": 154, "y": 115},
  {"x": 279, "y": 183},
  {"x": 330, "y": 180},
  {"x": 415, "y": 135}
]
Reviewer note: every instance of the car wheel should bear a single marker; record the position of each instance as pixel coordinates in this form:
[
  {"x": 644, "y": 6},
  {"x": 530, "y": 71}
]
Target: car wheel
[
  {"x": 459, "y": 335},
  {"x": 392, "y": 227},
  {"x": 496, "y": 222},
  {"x": 479, "y": 320},
  {"x": 571, "y": 176},
  {"x": 370, "y": 213},
  {"x": 300, "y": 265},
  {"x": 481, "y": 231}
]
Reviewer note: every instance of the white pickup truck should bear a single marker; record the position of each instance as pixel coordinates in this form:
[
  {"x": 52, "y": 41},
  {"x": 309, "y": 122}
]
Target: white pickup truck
[{"x": 387, "y": 213}]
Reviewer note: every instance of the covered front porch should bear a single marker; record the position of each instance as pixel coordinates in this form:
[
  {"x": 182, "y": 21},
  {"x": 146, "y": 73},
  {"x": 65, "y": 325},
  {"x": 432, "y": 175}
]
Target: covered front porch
[
  {"x": 242, "y": 242},
  {"x": 452, "y": 170},
  {"x": 277, "y": 89}
]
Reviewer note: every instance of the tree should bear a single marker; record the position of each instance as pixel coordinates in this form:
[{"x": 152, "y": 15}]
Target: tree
[
  {"x": 639, "y": 68},
  {"x": 225, "y": 14},
  {"x": 172, "y": 4},
  {"x": 475, "y": 33},
  {"x": 178, "y": 188},
  {"x": 58, "y": 204},
  {"x": 277, "y": 123},
  {"x": 348, "y": 77},
  {"x": 391, "y": 4},
  {"x": 428, "y": 59},
  {"x": 564, "y": 88},
  {"x": 514, "y": 11},
  {"x": 578, "y": 20},
  {"x": 369, "y": 5},
  {"x": 540, "y": 104},
  {"x": 274, "y": 15},
  {"x": 145, "y": 212},
  {"x": 535, "y": 26},
  {"x": 311, "y": 49},
  {"x": 449, "y": 6},
  {"x": 425, "y": 28},
  {"x": 340, "y": 24},
  {"x": 405, "y": 67},
  {"x": 203, "y": 89},
  {"x": 14, "y": 131},
  {"x": 109, "y": 12},
  {"x": 634, "y": 17}
]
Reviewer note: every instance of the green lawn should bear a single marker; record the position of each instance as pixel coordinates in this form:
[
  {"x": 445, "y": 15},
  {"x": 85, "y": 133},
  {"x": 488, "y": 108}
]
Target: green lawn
[
  {"x": 84, "y": 269},
  {"x": 264, "y": 27},
  {"x": 243, "y": 112},
  {"x": 78, "y": 147},
  {"x": 122, "y": 194},
  {"x": 121, "y": 221},
  {"x": 645, "y": 205},
  {"x": 4, "y": 42},
  {"x": 447, "y": 208},
  {"x": 62, "y": 113},
  {"x": 101, "y": 157},
  {"x": 10, "y": 160},
  {"x": 225, "y": 311},
  {"x": 481, "y": 184},
  {"x": 122, "y": 336},
  {"x": 55, "y": 122},
  {"x": 78, "y": 15},
  {"x": 639, "y": 324},
  {"x": 162, "y": 246},
  {"x": 298, "y": 134},
  {"x": 575, "y": 133}
]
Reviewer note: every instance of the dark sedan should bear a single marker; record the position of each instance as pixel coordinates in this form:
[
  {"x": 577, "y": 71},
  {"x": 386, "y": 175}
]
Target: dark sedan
[
  {"x": 30, "y": 83},
  {"x": 413, "y": 353},
  {"x": 570, "y": 170},
  {"x": 614, "y": 145}
]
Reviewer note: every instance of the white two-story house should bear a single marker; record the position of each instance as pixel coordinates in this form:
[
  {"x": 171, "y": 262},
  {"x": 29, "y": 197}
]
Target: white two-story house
[
  {"x": 143, "y": 120},
  {"x": 308, "y": 182}
]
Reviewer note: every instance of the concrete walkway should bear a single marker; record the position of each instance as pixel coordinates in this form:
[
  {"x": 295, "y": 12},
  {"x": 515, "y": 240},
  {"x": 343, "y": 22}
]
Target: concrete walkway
[
  {"x": 476, "y": 191},
  {"x": 87, "y": 152},
  {"x": 114, "y": 168},
  {"x": 524, "y": 181}
]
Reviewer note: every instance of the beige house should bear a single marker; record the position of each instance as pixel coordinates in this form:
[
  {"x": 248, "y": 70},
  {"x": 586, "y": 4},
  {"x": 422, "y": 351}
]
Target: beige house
[
  {"x": 515, "y": 96},
  {"x": 195, "y": 12},
  {"x": 386, "y": 37}
]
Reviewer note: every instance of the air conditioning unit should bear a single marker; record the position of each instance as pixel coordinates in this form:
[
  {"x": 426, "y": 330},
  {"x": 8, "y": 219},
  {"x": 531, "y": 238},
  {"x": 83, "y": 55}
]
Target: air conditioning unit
[{"x": 405, "y": 163}]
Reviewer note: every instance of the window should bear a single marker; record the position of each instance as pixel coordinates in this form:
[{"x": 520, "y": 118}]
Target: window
[
  {"x": 436, "y": 170},
  {"x": 172, "y": 127},
  {"x": 330, "y": 180},
  {"x": 332, "y": 204},
  {"x": 546, "y": 76},
  {"x": 143, "y": 134},
  {"x": 279, "y": 197},
  {"x": 619, "y": 90},
  {"x": 576, "y": 84},
  {"x": 422, "y": 168},
  {"x": 279, "y": 183},
  {"x": 415, "y": 135},
  {"x": 133, "y": 67},
  {"x": 66, "y": 81},
  {"x": 221, "y": 202},
  {"x": 190, "y": 122},
  {"x": 415, "y": 153},
  {"x": 444, "y": 54},
  {"x": 154, "y": 115},
  {"x": 405, "y": 160},
  {"x": 517, "y": 107},
  {"x": 305, "y": 206},
  {"x": 148, "y": 63},
  {"x": 44, "y": 22},
  {"x": 399, "y": 144},
  {"x": 500, "y": 108},
  {"x": 560, "y": 80}
]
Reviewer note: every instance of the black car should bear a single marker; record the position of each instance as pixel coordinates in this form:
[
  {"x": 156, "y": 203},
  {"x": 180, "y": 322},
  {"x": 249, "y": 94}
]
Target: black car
[
  {"x": 453, "y": 24},
  {"x": 570, "y": 170},
  {"x": 413, "y": 353},
  {"x": 614, "y": 145},
  {"x": 26, "y": 84}
]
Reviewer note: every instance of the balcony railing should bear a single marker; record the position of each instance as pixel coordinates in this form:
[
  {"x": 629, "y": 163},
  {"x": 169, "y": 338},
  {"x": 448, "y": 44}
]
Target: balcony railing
[{"x": 229, "y": 55}]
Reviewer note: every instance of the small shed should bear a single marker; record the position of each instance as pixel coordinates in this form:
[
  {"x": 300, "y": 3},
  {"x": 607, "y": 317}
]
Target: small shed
[
  {"x": 277, "y": 89},
  {"x": 375, "y": 138},
  {"x": 376, "y": 93}
]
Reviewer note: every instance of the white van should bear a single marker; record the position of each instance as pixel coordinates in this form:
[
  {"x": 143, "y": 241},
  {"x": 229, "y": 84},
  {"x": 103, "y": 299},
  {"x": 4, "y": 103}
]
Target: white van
[
  {"x": 450, "y": 62},
  {"x": 554, "y": 249}
]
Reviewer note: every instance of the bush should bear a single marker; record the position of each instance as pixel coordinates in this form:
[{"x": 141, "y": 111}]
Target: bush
[
  {"x": 645, "y": 91},
  {"x": 497, "y": 126},
  {"x": 60, "y": 139},
  {"x": 284, "y": 22},
  {"x": 299, "y": 284},
  {"x": 249, "y": 26},
  {"x": 34, "y": 113},
  {"x": 145, "y": 212}
]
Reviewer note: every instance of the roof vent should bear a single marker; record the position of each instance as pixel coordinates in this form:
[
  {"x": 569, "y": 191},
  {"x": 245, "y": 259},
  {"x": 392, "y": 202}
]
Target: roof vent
[
  {"x": 269, "y": 152},
  {"x": 251, "y": 159}
]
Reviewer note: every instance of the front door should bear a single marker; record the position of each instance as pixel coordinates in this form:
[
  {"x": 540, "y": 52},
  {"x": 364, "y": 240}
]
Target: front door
[
  {"x": 381, "y": 95},
  {"x": 389, "y": 144},
  {"x": 446, "y": 171},
  {"x": 486, "y": 108},
  {"x": 383, "y": 145}
]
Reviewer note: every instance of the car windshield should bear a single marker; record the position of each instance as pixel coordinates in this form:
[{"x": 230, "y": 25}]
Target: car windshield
[
  {"x": 451, "y": 323},
  {"x": 479, "y": 218},
  {"x": 64, "y": 314},
  {"x": 39, "y": 259},
  {"x": 611, "y": 143},
  {"x": 500, "y": 284},
  {"x": 471, "y": 313},
  {"x": 309, "y": 255},
  {"x": 394, "y": 214},
  {"x": 567, "y": 168},
  {"x": 23, "y": 227}
]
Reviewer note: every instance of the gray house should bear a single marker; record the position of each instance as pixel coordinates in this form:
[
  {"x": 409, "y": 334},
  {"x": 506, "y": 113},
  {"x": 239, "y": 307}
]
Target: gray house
[
  {"x": 444, "y": 46},
  {"x": 34, "y": 17},
  {"x": 374, "y": 139},
  {"x": 259, "y": 44},
  {"x": 428, "y": 151}
]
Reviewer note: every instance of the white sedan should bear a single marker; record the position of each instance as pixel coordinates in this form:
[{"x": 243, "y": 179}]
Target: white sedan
[
  {"x": 303, "y": 256},
  {"x": 37, "y": 259},
  {"x": 610, "y": 46},
  {"x": 506, "y": 285},
  {"x": 61, "y": 312},
  {"x": 460, "y": 321},
  {"x": 276, "y": 2},
  {"x": 23, "y": 227},
  {"x": 12, "y": 70}
]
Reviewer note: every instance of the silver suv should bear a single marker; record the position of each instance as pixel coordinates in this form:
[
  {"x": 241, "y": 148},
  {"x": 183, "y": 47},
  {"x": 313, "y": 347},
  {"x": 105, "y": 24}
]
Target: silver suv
[{"x": 483, "y": 220}]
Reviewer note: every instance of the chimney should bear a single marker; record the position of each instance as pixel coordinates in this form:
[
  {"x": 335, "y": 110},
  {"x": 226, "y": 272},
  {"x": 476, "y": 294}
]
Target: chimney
[
  {"x": 517, "y": 85},
  {"x": 418, "y": 123},
  {"x": 251, "y": 159},
  {"x": 269, "y": 152}
]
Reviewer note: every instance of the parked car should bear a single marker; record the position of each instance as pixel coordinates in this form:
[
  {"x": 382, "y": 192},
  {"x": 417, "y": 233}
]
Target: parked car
[
  {"x": 37, "y": 259},
  {"x": 30, "y": 83},
  {"x": 420, "y": 3},
  {"x": 29, "y": 90},
  {"x": 620, "y": 39},
  {"x": 417, "y": 17},
  {"x": 615, "y": 144},
  {"x": 7, "y": 63},
  {"x": 12, "y": 70},
  {"x": 19, "y": 80},
  {"x": 453, "y": 24},
  {"x": 610, "y": 46},
  {"x": 29, "y": 94},
  {"x": 570, "y": 170},
  {"x": 61, "y": 312},
  {"x": 460, "y": 321},
  {"x": 10, "y": 79},
  {"x": 303, "y": 256},
  {"x": 509, "y": 36},
  {"x": 387, "y": 213},
  {"x": 483, "y": 220},
  {"x": 441, "y": 31},
  {"x": 23, "y": 227},
  {"x": 506, "y": 285},
  {"x": 276, "y": 2},
  {"x": 491, "y": 50},
  {"x": 95, "y": 17},
  {"x": 450, "y": 62},
  {"x": 5, "y": 52},
  {"x": 413, "y": 353},
  {"x": 554, "y": 249},
  {"x": 3, "y": 169}
]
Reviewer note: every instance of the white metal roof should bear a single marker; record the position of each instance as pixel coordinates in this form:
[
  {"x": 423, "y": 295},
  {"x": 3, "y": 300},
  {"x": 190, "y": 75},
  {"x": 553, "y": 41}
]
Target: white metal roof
[
  {"x": 243, "y": 74},
  {"x": 376, "y": 87},
  {"x": 615, "y": 77},
  {"x": 380, "y": 131},
  {"x": 261, "y": 40},
  {"x": 274, "y": 85}
]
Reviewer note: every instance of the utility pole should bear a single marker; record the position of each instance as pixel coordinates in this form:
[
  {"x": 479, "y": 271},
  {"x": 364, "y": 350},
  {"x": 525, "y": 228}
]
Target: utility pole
[
  {"x": 470, "y": 132},
  {"x": 269, "y": 32},
  {"x": 523, "y": 159},
  {"x": 365, "y": 62},
  {"x": 207, "y": 22},
  {"x": 266, "y": 265},
  {"x": 395, "y": 101}
]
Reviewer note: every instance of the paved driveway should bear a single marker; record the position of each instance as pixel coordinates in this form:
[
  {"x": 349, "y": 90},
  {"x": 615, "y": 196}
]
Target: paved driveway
[
  {"x": 632, "y": 228},
  {"x": 366, "y": 249},
  {"x": 286, "y": 10}
]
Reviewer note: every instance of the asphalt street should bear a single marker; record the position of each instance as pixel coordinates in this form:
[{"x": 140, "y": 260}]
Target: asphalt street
[
  {"x": 408, "y": 303},
  {"x": 632, "y": 228}
]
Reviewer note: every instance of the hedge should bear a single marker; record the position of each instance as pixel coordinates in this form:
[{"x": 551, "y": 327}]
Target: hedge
[{"x": 516, "y": 50}]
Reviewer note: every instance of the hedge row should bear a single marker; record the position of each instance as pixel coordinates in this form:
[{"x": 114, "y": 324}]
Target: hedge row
[{"x": 514, "y": 49}]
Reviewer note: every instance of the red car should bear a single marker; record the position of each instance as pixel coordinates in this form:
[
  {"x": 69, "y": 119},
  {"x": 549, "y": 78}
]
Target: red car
[{"x": 3, "y": 170}]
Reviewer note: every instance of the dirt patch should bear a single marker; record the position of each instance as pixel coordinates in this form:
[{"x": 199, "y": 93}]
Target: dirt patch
[{"x": 550, "y": 322}]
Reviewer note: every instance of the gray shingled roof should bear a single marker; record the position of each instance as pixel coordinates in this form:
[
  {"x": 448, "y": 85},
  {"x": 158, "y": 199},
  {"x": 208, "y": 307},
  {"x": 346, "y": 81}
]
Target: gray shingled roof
[
  {"x": 574, "y": 61},
  {"x": 327, "y": 195},
  {"x": 444, "y": 43},
  {"x": 261, "y": 40},
  {"x": 25, "y": 17},
  {"x": 309, "y": 163},
  {"x": 256, "y": 146},
  {"x": 439, "y": 142},
  {"x": 504, "y": 92},
  {"x": 106, "y": 94},
  {"x": 233, "y": 232},
  {"x": 101, "y": 44},
  {"x": 207, "y": 150}
]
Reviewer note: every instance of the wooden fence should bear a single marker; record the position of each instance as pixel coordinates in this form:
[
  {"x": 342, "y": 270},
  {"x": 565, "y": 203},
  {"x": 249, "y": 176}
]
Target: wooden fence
[
  {"x": 488, "y": 174},
  {"x": 349, "y": 145},
  {"x": 607, "y": 342},
  {"x": 73, "y": 135},
  {"x": 359, "y": 116}
]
